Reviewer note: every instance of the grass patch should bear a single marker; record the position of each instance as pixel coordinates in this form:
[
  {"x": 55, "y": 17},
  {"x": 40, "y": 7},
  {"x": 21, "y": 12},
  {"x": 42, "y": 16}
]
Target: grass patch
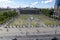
[
  {"x": 18, "y": 22},
  {"x": 21, "y": 20},
  {"x": 34, "y": 23}
]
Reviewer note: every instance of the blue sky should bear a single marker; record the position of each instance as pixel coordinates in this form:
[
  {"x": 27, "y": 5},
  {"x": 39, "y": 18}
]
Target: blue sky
[{"x": 27, "y": 3}]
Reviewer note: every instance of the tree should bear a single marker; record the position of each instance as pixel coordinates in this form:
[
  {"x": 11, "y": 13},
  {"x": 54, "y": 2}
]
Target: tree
[
  {"x": 5, "y": 14},
  {"x": 51, "y": 12},
  {"x": 47, "y": 12}
]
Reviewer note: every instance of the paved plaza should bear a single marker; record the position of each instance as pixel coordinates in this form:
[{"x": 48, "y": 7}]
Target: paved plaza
[
  {"x": 44, "y": 33},
  {"x": 21, "y": 29}
]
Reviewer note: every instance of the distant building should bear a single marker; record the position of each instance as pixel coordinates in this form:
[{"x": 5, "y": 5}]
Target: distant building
[
  {"x": 4, "y": 9},
  {"x": 57, "y": 8},
  {"x": 29, "y": 11}
]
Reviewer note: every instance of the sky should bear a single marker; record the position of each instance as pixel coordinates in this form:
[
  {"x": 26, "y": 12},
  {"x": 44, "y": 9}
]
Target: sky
[{"x": 27, "y": 3}]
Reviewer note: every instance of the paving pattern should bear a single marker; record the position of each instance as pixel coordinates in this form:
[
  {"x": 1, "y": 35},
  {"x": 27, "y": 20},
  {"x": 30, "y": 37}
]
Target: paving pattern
[{"x": 28, "y": 33}]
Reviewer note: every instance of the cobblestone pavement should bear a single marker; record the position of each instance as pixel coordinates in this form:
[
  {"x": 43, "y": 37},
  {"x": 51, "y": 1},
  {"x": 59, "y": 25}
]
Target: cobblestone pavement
[{"x": 22, "y": 33}]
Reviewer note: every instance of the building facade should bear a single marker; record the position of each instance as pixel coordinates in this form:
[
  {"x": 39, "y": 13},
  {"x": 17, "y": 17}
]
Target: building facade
[
  {"x": 29, "y": 11},
  {"x": 57, "y": 8}
]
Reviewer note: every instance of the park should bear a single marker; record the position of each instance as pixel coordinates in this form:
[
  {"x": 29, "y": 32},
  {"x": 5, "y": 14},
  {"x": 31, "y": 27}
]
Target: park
[{"x": 30, "y": 23}]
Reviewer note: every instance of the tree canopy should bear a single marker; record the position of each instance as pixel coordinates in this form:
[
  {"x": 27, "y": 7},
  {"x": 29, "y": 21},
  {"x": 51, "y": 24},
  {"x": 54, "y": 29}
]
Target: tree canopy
[{"x": 4, "y": 16}]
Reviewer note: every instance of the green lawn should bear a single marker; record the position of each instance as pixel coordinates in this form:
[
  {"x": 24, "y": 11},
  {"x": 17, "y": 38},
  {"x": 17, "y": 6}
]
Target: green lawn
[
  {"x": 21, "y": 20},
  {"x": 46, "y": 20},
  {"x": 34, "y": 23}
]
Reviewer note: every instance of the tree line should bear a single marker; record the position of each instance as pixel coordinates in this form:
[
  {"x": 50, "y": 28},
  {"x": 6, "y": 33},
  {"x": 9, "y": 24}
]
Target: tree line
[
  {"x": 49, "y": 13},
  {"x": 4, "y": 16}
]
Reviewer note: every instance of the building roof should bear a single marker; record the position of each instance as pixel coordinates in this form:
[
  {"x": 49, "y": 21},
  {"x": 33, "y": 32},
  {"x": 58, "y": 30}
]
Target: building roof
[{"x": 29, "y": 9}]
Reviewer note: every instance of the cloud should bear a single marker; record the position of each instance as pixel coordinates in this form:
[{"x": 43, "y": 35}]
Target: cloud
[
  {"x": 24, "y": 5},
  {"x": 47, "y": 1},
  {"x": 5, "y": 3},
  {"x": 33, "y": 4},
  {"x": 30, "y": 5},
  {"x": 14, "y": 4}
]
